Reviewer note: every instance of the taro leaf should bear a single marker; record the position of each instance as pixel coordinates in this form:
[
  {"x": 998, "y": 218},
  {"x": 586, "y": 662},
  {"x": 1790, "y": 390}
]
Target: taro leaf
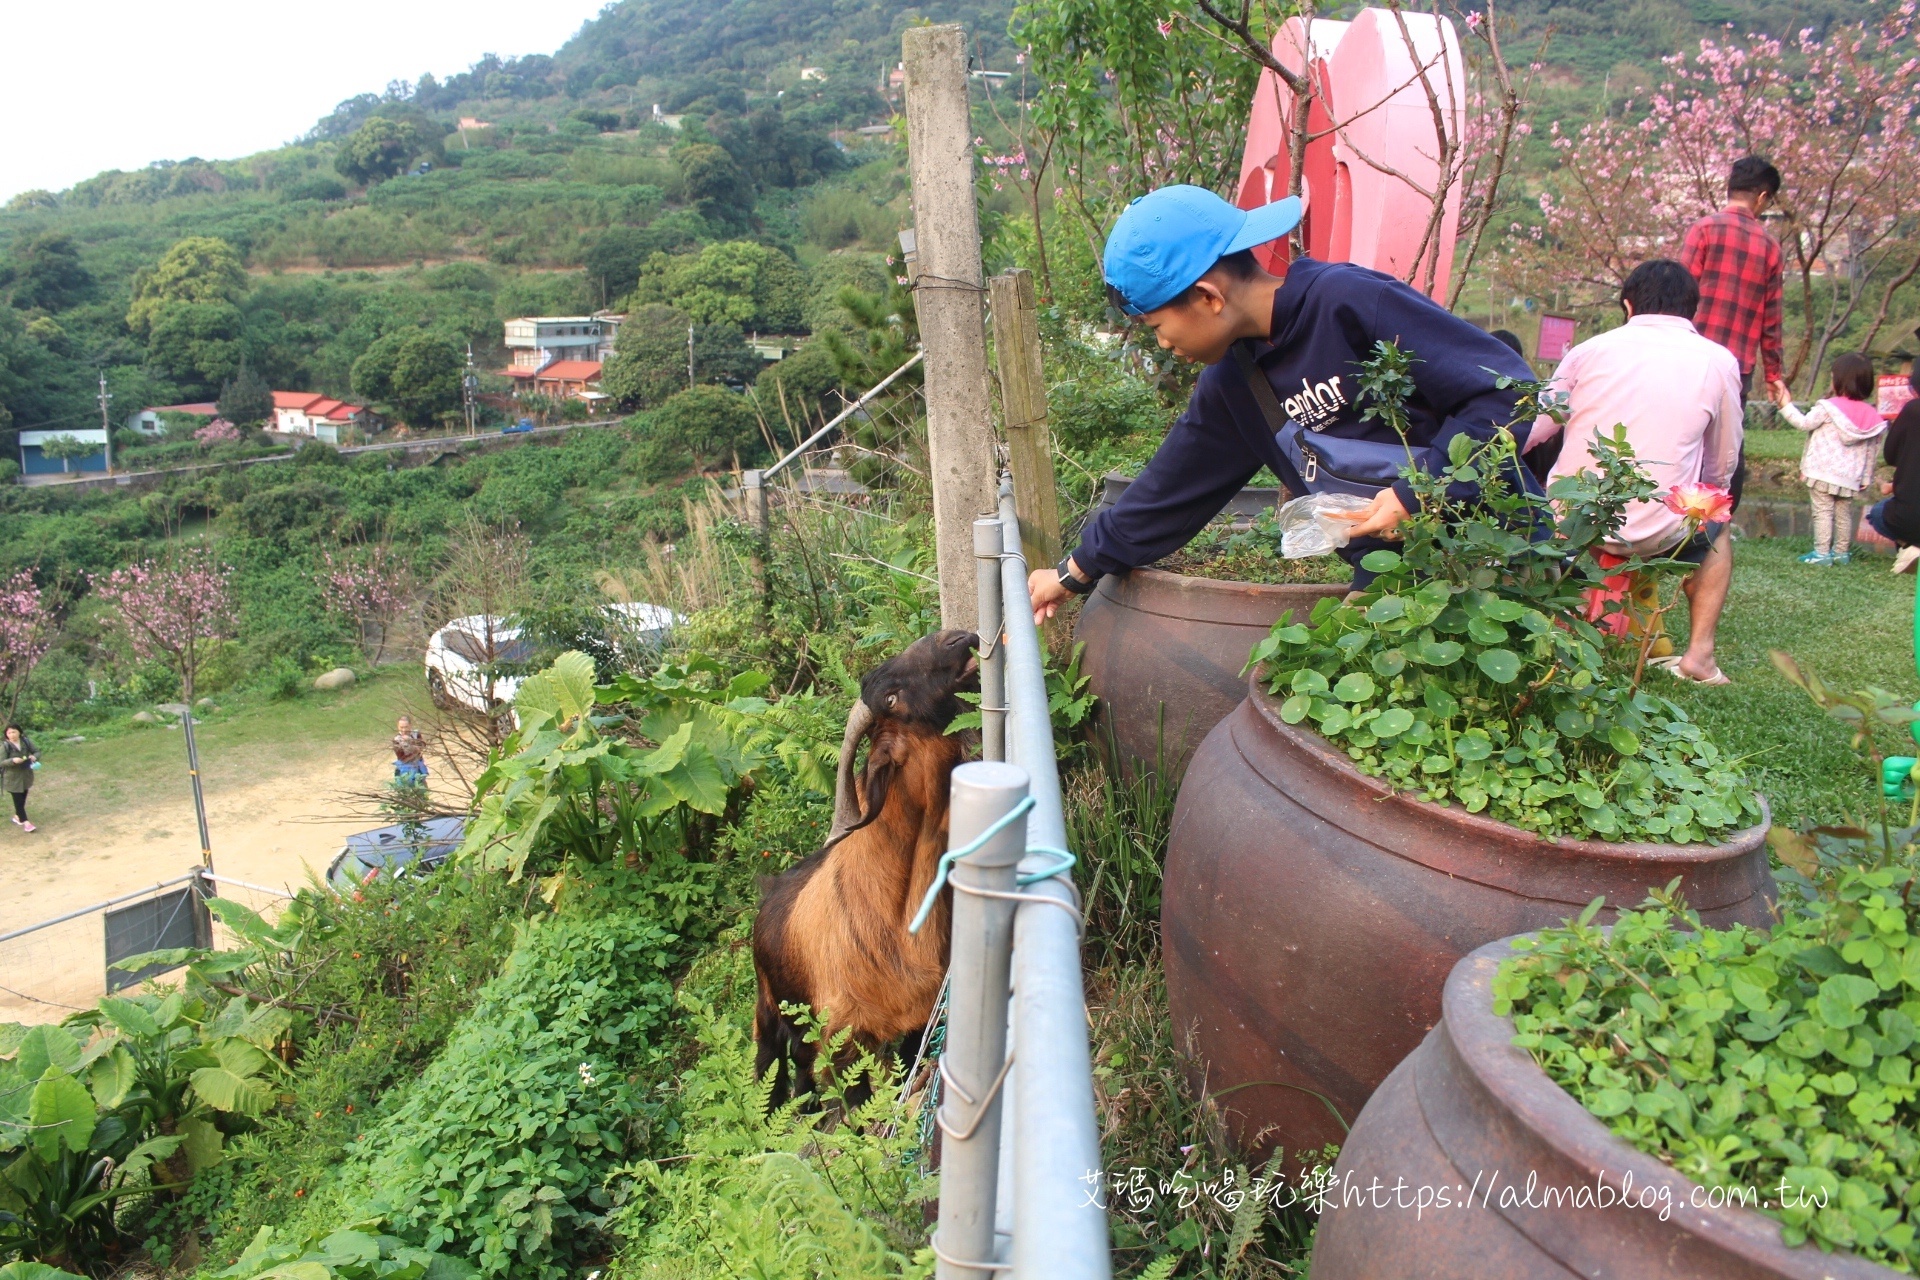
[
  {"x": 1392, "y": 722},
  {"x": 1486, "y": 631},
  {"x": 1441, "y": 653},
  {"x": 204, "y": 1143},
  {"x": 46, "y": 1046},
  {"x": 1355, "y": 686},
  {"x": 62, "y": 1113},
  {"x": 1502, "y": 666},
  {"x": 1381, "y": 561},
  {"x": 1389, "y": 663},
  {"x": 1624, "y": 740},
  {"x": 1502, "y": 610}
]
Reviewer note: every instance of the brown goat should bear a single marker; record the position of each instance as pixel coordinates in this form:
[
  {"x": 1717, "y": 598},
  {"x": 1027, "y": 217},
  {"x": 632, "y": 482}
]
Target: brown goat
[{"x": 832, "y": 930}]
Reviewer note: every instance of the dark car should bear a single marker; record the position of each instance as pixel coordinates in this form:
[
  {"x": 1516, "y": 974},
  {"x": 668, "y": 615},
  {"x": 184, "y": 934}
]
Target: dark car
[
  {"x": 519, "y": 428},
  {"x": 402, "y": 850}
]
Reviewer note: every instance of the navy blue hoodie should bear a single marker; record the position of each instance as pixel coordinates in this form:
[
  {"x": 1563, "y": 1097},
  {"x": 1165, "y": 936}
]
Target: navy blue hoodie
[{"x": 1326, "y": 318}]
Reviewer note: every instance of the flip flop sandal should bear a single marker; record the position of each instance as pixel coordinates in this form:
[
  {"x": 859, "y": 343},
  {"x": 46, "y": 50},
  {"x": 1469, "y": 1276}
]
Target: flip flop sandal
[{"x": 1718, "y": 677}]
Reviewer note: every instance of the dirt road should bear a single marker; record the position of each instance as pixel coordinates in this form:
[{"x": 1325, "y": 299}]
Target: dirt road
[{"x": 116, "y": 815}]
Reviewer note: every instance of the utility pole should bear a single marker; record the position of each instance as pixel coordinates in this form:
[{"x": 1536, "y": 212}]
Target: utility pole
[
  {"x": 468, "y": 385},
  {"x": 106, "y": 425},
  {"x": 689, "y": 355},
  {"x": 1023, "y": 406},
  {"x": 949, "y": 301}
]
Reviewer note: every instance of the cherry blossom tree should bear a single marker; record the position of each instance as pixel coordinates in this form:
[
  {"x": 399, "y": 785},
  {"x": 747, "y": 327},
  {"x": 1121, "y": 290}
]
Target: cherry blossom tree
[
  {"x": 27, "y": 627},
  {"x": 372, "y": 590},
  {"x": 219, "y": 431},
  {"x": 1833, "y": 114},
  {"x": 170, "y": 609}
]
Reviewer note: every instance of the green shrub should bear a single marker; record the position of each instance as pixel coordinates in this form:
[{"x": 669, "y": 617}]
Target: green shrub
[
  {"x": 789, "y": 1196},
  {"x": 1088, "y": 411},
  {"x": 1780, "y": 1063},
  {"x": 501, "y": 1150},
  {"x": 359, "y": 1252},
  {"x": 1467, "y": 672}
]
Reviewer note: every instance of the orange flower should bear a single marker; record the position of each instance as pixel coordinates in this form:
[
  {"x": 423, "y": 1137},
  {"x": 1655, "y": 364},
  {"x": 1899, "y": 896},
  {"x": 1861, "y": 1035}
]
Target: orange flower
[{"x": 1700, "y": 503}]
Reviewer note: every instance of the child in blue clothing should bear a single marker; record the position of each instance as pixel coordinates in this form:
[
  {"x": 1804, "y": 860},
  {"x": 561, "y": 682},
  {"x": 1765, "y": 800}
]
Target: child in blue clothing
[{"x": 1180, "y": 260}]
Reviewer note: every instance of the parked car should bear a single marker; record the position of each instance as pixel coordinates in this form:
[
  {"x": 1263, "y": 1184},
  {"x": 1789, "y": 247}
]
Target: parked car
[
  {"x": 407, "y": 849},
  {"x": 463, "y": 657},
  {"x": 519, "y": 428}
]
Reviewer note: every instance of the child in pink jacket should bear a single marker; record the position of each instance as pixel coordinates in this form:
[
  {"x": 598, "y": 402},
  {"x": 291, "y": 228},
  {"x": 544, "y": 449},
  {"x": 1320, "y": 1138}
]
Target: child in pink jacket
[{"x": 1842, "y": 435}]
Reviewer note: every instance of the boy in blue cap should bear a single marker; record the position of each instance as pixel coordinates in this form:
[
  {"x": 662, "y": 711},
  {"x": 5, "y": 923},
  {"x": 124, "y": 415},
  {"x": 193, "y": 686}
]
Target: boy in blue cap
[{"x": 1180, "y": 260}]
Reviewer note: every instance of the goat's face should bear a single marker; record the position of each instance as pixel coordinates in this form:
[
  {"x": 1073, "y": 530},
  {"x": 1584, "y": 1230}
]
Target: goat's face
[
  {"x": 915, "y": 691},
  {"x": 920, "y": 686}
]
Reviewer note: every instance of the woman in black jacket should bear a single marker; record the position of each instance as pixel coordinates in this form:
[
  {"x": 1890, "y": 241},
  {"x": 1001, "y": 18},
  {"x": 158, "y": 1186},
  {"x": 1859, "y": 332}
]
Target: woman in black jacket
[
  {"x": 1898, "y": 516},
  {"x": 17, "y": 761}
]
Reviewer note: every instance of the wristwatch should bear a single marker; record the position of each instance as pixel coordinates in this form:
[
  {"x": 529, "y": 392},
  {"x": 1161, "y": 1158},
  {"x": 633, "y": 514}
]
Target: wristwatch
[{"x": 1079, "y": 586}]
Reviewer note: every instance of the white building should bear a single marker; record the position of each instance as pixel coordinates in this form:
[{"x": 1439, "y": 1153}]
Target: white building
[
  {"x": 538, "y": 341},
  {"x": 308, "y": 413},
  {"x": 147, "y": 421}
]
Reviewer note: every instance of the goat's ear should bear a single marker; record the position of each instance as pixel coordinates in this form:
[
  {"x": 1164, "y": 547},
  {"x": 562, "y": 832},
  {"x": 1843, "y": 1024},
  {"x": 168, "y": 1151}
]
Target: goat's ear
[{"x": 882, "y": 767}]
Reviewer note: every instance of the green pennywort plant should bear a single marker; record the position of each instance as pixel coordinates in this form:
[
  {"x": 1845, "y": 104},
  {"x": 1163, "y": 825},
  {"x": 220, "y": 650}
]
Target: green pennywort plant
[
  {"x": 1469, "y": 674},
  {"x": 1782, "y": 1063}
]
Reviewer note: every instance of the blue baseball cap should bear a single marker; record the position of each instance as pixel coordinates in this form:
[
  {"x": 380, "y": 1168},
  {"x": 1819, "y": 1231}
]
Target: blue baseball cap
[{"x": 1169, "y": 238}]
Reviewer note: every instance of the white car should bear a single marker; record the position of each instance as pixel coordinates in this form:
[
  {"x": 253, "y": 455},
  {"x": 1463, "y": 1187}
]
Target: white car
[{"x": 460, "y": 654}]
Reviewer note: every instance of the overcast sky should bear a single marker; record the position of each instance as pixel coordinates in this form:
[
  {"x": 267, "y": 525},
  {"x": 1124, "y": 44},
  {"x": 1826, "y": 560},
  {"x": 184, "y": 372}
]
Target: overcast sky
[{"x": 117, "y": 84}]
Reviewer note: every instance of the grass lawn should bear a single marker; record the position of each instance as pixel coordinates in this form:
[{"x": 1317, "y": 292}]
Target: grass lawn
[
  {"x": 1783, "y": 444},
  {"x": 121, "y": 765},
  {"x": 1852, "y": 624}
]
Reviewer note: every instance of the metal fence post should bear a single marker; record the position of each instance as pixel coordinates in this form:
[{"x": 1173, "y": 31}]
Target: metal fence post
[
  {"x": 988, "y": 539},
  {"x": 975, "y": 1063},
  {"x": 753, "y": 489},
  {"x": 1059, "y": 1213}
]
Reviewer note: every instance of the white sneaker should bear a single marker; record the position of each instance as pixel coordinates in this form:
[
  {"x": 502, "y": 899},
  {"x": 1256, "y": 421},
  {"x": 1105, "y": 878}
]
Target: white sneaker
[{"x": 1904, "y": 562}]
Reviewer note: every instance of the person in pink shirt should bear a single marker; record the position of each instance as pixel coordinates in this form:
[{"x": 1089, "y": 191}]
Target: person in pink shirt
[
  {"x": 1843, "y": 434},
  {"x": 1678, "y": 394}
]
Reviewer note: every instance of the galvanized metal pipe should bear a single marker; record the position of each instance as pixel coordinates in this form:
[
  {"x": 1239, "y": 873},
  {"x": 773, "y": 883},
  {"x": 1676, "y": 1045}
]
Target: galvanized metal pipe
[
  {"x": 1059, "y": 1222},
  {"x": 988, "y": 539},
  {"x": 974, "y": 1065},
  {"x": 841, "y": 417}
]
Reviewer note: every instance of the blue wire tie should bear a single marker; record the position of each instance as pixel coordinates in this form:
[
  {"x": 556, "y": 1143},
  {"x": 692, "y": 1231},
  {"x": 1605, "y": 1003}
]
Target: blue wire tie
[{"x": 1067, "y": 861}]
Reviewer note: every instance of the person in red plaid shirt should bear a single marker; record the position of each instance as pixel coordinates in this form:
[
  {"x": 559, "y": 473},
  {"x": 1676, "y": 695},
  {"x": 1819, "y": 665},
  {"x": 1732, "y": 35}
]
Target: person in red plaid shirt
[{"x": 1738, "y": 266}]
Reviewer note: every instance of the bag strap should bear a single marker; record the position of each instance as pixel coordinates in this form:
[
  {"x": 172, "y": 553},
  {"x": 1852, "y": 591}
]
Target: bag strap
[{"x": 1257, "y": 383}]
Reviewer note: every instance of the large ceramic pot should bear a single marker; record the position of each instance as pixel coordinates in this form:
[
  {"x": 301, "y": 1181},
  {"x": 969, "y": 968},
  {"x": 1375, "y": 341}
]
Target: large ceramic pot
[
  {"x": 1166, "y": 652},
  {"x": 1470, "y": 1116},
  {"x": 1311, "y": 916}
]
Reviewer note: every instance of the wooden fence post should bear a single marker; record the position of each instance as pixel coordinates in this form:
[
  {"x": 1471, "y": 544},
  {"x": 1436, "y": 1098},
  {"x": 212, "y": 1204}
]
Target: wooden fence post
[
  {"x": 949, "y": 301},
  {"x": 1023, "y": 402}
]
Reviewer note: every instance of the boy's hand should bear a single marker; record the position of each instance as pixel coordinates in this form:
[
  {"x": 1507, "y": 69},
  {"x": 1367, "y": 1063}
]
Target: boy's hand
[
  {"x": 1380, "y": 519},
  {"x": 1047, "y": 592}
]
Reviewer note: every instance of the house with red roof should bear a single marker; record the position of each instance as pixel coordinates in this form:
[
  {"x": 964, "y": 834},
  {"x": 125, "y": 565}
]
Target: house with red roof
[
  {"x": 561, "y": 379},
  {"x": 148, "y": 421},
  {"x": 309, "y": 413}
]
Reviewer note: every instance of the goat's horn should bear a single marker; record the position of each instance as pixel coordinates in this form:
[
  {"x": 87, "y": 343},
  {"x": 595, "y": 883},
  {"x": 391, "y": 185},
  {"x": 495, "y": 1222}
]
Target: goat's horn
[{"x": 846, "y": 805}]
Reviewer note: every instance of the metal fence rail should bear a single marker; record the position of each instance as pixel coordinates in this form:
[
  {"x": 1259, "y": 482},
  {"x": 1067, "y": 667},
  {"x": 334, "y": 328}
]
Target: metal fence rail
[
  {"x": 1020, "y": 1160},
  {"x": 64, "y": 964}
]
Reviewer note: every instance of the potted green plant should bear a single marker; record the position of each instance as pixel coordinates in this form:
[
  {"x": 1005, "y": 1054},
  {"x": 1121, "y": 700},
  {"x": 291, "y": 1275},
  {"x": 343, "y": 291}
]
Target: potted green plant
[{"x": 1454, "y": 755}]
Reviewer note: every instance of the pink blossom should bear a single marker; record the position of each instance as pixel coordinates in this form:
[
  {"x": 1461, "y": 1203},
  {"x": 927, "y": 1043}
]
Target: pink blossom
[
  {"x": 168, "y": 609},
  {"x": 1474, "y": 20},
  {"x": 26, "y": 632},
  {"x": 1165, "y": 26},
  {"x": 219, "y": 431}
]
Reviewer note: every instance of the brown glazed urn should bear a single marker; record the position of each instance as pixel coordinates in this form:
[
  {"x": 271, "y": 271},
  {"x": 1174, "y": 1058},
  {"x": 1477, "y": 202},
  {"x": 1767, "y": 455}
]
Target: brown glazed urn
[
  {"x": 1471, "y": 1117},
  {"x": 1310, "y": 917},
  {"x": 1166, "y": 649}
]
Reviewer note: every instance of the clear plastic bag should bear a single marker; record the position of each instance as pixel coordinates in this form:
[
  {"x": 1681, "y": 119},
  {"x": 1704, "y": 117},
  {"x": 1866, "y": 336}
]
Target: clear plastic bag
[{"x": 1307, "y": 529}]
